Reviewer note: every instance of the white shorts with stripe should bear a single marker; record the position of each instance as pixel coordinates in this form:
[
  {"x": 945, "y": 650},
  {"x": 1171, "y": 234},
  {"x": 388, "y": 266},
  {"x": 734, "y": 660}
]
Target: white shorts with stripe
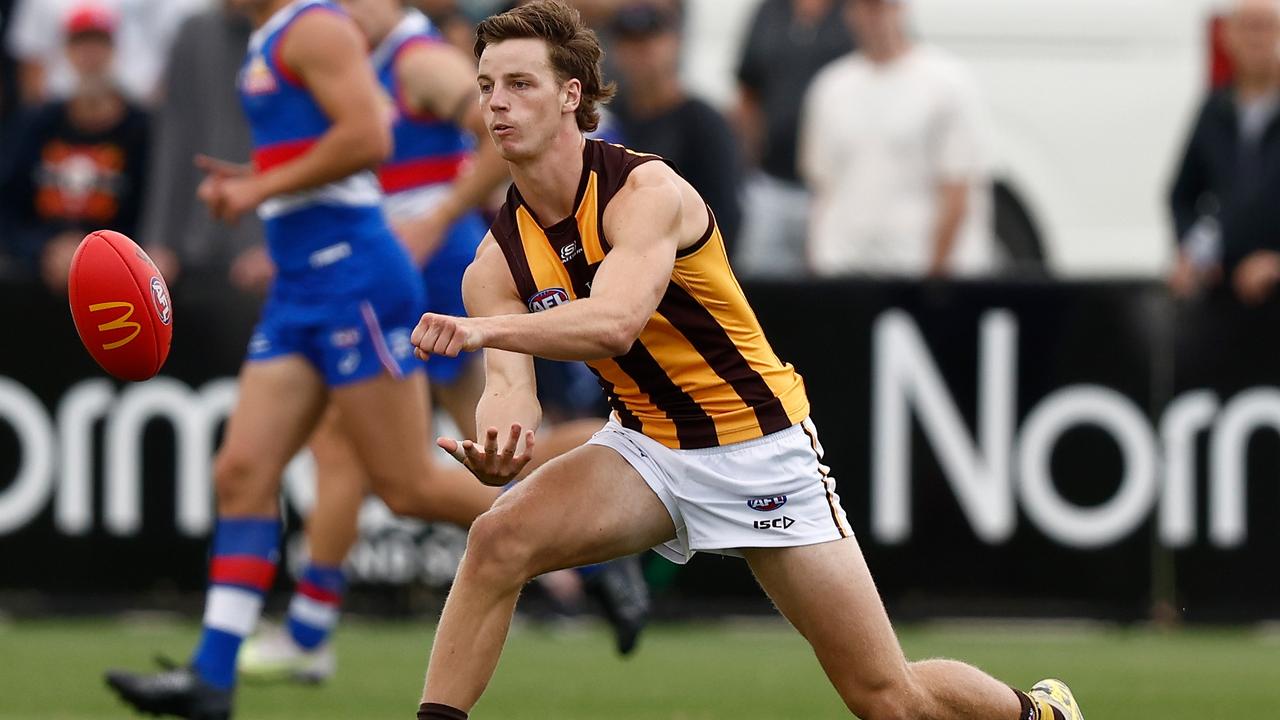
[{"x": 770, "y": 492}]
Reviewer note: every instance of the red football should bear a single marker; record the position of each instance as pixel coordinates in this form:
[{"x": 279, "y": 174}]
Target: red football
[{"x": 120, "y": 305}]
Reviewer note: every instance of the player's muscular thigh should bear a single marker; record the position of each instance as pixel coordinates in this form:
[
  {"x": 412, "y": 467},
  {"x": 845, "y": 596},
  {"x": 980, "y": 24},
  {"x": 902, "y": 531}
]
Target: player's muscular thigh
[{"x": 584, "y": 507}]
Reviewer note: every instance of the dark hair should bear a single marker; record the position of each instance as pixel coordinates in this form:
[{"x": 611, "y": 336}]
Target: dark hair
[{"x": 572, "y": 47}]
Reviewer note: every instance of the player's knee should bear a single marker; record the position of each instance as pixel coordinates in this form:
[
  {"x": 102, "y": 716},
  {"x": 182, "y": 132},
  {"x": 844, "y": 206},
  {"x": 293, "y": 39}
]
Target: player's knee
[
  {"x": 237, "y": 482},
  {"x": 498, "y": 551},
  {"x": 400, "y": 498}
]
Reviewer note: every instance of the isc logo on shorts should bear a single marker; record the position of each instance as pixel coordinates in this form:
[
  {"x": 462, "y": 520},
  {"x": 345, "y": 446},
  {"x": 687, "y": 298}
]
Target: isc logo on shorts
[
  {"x": 547, "y": 299},
  {"x": 765, "y": 504},
  {"x": 778, "y": 523}
]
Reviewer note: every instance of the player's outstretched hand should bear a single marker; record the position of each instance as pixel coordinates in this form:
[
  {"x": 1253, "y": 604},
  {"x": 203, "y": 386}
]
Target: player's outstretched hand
[
  {"x": 492, "y": 466},
  {"x": 445, "y": 335}
]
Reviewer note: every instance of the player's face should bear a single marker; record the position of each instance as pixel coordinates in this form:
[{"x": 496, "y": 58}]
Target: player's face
[{"x": 522, "y": 100}]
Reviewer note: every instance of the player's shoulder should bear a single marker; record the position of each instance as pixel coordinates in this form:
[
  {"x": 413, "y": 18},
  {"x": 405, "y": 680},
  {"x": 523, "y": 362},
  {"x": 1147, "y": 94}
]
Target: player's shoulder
[
  {"x": 489, "y": 277},
  {"x": 652, "y": 188},
  {"x": 489, "y": 259},
  {"x": 657, "y": 197},
  {"x": 428, "y": 56},
  {"x": 321, "y": 23},
  {"x": 622, "y": 169},
  {"x": 424, "y": 48}
]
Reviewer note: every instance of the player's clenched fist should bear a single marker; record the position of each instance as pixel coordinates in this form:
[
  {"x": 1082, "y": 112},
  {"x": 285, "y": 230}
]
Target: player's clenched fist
[{"x": 445, "y": 335}]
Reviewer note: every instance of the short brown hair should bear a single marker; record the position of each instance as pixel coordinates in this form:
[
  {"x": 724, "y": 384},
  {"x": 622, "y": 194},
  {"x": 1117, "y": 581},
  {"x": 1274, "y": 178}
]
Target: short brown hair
[{"x": 572, "y": 47}]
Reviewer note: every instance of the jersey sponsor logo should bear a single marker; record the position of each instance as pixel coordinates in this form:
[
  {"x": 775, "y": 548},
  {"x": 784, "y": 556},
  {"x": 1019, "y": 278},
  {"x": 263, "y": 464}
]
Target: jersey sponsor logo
[
  {"x": 257, "y": 79},
  {"x": 547, "y": 299},
  {"x": 781, "y": 523},
  {"x": 569, "y": 252},
  {"x": 161, "y": 296},
  {"x": 767, "y": 504},
  {"x": 120, "y": 323}
]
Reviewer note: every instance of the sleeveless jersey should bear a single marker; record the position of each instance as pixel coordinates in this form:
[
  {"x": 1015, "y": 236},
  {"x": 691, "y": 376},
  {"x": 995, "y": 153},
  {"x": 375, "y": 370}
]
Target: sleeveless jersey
[
  {"x": 428, "y": 150},
  {"x": 285, "y": 121},
  {"x": 701, "y": 373}
]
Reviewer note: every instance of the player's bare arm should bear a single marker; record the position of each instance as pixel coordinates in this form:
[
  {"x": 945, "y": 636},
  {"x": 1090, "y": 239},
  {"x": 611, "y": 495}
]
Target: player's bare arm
[
  {"x": 647, "y": 223},
  {"x": 438, "y": 79},
  {"x": 327, "y": 53},
  {"x": 510, "y": 398}
]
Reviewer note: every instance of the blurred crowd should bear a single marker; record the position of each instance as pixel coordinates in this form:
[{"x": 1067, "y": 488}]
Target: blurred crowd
[
  {"x": 852, "y": 149},
  {"x": 106, "y": 102}
]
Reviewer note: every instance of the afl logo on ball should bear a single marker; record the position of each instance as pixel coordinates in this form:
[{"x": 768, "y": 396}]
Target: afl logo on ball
[
  {"x": 161, "y": 296},
  {"x": 765, "y": 504},
  {"x": 547, "y": 299}
]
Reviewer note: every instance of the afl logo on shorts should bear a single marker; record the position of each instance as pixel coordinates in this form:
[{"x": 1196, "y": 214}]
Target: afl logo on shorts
[
  {"x": 161, "y": 297},
  {"x": 547, "y": 299},
  {"x": 766, "y": 504}
]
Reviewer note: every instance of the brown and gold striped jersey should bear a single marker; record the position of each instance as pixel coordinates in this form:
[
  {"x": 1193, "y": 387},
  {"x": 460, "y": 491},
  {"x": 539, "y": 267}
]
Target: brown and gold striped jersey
[{"x": 701, "y": 373}]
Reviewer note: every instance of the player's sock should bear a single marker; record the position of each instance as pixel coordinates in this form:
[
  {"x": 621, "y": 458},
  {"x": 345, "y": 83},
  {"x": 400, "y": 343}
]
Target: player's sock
[
  {"x": 313, "y": 612},
  {"x": 587, "y": 571},
  {"x": 436, "y": 711},
  {"x": 1036, "y": 708},
  {"x": 245, "y": 552}
]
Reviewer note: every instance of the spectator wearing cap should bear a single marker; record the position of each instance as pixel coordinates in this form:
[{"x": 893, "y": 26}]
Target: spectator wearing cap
[
  {"x": 36, "y": 37},
  {"x": 655, "y": 114},
  {"x": 77, "y": 164},
  {"x": 1225, "y": 200},
  {"x": 892, "y": 145},
  {"x": 788, "y": 42}
]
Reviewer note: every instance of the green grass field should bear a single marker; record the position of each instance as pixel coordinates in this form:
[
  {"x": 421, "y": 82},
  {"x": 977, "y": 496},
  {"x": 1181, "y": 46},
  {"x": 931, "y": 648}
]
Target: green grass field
[{"x": 51, "y": 670}]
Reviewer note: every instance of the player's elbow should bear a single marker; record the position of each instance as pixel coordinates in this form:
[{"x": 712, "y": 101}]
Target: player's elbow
[
  {"x": 371, "y": 146},
  {"x": 379, "y": 145},
  {"x": 620, "y": 336}
]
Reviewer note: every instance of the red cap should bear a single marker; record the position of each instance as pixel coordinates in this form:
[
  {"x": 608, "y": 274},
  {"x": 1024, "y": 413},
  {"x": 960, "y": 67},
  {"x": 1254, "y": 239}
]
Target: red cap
[{"x": 90, "y": 18}]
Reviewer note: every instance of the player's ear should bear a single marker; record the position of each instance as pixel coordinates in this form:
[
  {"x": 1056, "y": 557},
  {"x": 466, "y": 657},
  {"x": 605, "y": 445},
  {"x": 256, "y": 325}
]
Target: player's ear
[{"x": 572, "y": 96}]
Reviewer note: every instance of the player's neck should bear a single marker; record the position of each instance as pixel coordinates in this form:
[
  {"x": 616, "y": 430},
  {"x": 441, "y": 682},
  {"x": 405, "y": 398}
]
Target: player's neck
[{"x": 549, "y": 182}]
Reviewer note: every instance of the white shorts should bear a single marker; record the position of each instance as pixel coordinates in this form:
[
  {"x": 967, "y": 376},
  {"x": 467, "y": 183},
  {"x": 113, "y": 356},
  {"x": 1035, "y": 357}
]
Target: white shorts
[{"x": 769, "y": 492}]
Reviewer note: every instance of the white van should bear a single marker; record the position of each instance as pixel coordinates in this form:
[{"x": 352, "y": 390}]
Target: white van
[{"x": 1090, "y": 101}]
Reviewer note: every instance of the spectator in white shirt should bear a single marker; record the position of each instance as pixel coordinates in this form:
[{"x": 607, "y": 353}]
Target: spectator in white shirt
[
  {"x": 892, "y": 146},
  {"x": 146, "y": 27}
]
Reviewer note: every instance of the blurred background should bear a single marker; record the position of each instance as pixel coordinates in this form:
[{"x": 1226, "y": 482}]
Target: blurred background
[{"x": 1024, "y": 252}]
